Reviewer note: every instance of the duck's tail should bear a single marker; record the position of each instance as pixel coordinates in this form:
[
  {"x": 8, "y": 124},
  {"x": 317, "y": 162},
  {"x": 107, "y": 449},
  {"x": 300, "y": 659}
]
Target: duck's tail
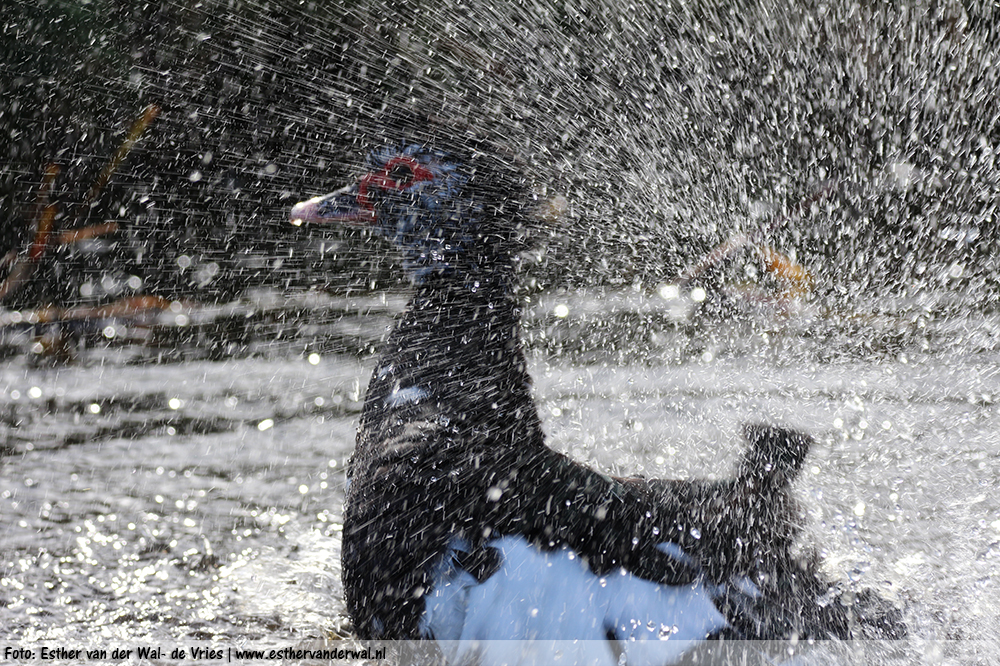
[
  {"x": 790, "y": 602},
  {"x": 774, "y": 458}
]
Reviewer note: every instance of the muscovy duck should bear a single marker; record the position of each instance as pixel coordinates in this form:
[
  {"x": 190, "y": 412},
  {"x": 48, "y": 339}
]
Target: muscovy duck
[{"x": 462, "y": 526}]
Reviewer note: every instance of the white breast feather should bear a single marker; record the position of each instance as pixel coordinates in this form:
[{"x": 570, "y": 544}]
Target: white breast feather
[{"x": 548, "y": 607}]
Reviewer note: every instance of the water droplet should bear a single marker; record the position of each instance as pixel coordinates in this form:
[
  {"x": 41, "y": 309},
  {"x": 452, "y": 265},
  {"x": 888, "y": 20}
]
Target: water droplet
[{"x": 669, "y": 292}]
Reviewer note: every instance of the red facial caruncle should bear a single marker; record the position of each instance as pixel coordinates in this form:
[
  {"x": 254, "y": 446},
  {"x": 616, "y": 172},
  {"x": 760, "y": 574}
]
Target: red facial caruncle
[{"x": 399, "y": 173}]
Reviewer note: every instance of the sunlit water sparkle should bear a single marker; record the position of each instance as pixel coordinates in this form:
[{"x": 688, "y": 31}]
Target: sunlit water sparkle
[{"x": 229, "y": 532}]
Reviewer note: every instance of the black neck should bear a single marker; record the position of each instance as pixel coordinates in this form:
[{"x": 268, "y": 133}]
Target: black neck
[{"x": 460, "y": 340}]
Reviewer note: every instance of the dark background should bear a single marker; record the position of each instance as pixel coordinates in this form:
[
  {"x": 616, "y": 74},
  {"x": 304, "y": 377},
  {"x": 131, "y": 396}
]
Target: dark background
[{"x": 665, "y": 127}]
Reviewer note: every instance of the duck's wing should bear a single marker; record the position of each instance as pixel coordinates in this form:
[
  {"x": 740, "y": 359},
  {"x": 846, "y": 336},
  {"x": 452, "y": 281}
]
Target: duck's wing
[{"x": 430, "y": 482}]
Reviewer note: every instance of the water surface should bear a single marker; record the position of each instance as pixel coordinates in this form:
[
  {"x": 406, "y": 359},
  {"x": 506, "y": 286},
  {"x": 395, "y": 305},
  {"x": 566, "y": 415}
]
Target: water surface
[{"x": 201, "y": 500}]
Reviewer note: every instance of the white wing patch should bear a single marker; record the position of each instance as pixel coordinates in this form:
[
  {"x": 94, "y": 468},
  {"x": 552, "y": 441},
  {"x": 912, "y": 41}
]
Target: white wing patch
[
  {"x": 543, "y": 603},
  {"x": 406, "y": 396}
]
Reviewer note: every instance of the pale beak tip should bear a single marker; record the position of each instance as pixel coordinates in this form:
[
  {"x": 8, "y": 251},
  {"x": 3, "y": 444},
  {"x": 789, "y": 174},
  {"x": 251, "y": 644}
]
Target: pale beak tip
[{"x": 302, "y": 212}]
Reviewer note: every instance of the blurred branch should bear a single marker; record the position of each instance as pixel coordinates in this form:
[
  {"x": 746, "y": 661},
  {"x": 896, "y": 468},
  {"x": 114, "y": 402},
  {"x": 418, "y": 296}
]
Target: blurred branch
[{"x": 44, "y": 212}]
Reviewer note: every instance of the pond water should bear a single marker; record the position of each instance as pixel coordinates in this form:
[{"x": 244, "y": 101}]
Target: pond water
[{"x": 201, "y": 500}]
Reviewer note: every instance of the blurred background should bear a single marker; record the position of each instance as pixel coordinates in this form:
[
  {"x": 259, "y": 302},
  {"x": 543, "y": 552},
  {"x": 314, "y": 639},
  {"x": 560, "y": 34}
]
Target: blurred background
[{"x": 668, "y": 127}]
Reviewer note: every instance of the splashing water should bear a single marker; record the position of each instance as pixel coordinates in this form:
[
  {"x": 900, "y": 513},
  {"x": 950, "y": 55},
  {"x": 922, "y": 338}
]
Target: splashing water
[{"x": 166, "y": 501}]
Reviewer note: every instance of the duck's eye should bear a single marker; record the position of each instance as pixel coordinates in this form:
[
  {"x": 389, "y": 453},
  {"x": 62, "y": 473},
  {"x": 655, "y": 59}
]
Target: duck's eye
[{"x": 401, "y": 173}]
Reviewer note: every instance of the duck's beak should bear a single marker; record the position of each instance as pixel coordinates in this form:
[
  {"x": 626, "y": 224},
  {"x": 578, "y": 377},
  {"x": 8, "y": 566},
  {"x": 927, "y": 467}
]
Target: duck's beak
[{"x": 344, "y": 206}]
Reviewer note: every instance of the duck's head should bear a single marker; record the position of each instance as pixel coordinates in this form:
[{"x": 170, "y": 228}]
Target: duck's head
[{"x": 447, "y": 210}]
